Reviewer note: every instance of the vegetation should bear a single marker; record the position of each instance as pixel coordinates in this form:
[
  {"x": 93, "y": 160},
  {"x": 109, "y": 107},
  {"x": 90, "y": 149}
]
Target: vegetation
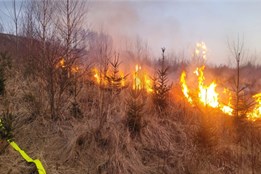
[
  {"x": 79, "y": 110},
  {"x": 160, "y": 85}
]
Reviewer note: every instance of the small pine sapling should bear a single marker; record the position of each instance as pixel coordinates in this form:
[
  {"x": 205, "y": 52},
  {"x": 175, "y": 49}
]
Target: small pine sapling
[
  {"x": 160, "y": 86},
  {"x": 116, "y": 81},
  {"x": 134, "y": 112}
]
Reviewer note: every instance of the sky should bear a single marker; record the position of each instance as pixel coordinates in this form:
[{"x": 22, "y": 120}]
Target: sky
[{"x": 178, "y": 25}]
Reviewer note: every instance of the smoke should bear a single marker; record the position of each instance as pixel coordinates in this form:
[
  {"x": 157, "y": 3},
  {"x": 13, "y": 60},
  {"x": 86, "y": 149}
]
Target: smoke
[
  {"x": 126, "y": 21},
  {"x": 177, "y": 25}
]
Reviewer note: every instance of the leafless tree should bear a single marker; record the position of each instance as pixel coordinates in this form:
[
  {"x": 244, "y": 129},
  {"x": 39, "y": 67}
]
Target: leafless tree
[
  {"x": 15, "y": 14},
  {"x": 1, "y": 27},
  {"x": 70, "y": 25},
  {"x": 28, "y": 23}
]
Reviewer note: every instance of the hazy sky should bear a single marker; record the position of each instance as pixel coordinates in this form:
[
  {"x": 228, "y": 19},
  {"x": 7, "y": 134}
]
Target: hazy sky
[{"x": 178, "y": 25}]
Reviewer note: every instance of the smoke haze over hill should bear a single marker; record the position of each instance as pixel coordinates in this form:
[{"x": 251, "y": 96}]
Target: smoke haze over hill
[{"x": 178, "y": 25}]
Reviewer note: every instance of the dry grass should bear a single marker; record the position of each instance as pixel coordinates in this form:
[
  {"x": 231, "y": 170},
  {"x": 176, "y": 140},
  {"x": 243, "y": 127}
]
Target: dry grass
[{"x": 100, "y": 142}]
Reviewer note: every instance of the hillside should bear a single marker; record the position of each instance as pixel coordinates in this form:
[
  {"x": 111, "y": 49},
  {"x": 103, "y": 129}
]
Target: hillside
[{"x": 110, "y": 129}]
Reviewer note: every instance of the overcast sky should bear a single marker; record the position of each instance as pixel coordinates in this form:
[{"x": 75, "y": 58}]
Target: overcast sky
[{"x": 178, "y": 25}]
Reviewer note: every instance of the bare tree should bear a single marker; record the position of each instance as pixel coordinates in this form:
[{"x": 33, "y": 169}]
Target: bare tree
[
  {"x": 1, "y": 28},
  {"x": 28, "y": 23},
  {"x": 15, "y": 14},
  {"x": 48, "y": 54},
  {"x": 70, "y": 25}
]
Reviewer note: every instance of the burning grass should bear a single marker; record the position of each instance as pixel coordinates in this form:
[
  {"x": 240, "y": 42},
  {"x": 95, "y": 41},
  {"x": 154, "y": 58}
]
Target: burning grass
[{"x": 196, "y": 133}]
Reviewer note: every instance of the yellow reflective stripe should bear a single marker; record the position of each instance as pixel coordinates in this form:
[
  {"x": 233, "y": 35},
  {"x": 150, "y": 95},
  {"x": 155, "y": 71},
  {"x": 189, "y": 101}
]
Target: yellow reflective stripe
[{"x": 37, "y": 162}]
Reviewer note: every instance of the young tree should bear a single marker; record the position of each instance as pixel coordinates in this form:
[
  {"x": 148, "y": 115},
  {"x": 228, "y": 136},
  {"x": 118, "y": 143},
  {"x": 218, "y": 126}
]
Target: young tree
[
  {"x": 134, "y": 112},
  {"x": 116, "y": 81},
  {"x": 241, "y": 101},
  {"x": 160, "y": 85},
  {"x": 5, "y": 63}
]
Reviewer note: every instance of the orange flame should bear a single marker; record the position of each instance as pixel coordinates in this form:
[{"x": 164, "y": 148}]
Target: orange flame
[
  {"x": 96, "y": 75},
  {"x": 61, "y": 63},
  {"x": 184, "y": 86},
  {"x": 136, "y": 79},
  {"x": 256, "y": 113},
  {"x": 227, "y": 109},
  {"x": 207, "y": 94},
  {"x": 148, "y": 84},
  {"x": 75, "y": 69},
  {"x": 141, "y": 80}
]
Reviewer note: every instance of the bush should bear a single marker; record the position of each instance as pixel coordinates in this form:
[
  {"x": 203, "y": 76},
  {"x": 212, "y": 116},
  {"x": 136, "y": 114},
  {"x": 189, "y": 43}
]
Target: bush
[{"x": 6, "y": 126}]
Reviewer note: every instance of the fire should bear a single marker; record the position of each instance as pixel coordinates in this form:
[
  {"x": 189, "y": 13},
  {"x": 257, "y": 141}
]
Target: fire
[
  {"x": 227, "y": 110},
  {"x": 148, "y": 84},
  {"x": 75, "y": 69},
  {"x": 123, "y": 81},
  {"x": 96, "y": 75},
  {"x": 61, "y": 63},
  {"x": 256, "y": 113},
  {"x": 141, "y": 80},
  {"x": 136, "y": 79},
  {"x": 207, "y": 94},
  {"x": 185, "y": 89},
  {"x": 201, "y": 50},
  {"x": 108, "y": 80}
]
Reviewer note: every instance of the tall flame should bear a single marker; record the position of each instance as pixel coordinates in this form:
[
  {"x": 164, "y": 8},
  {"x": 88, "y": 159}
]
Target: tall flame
[
  {"x": 136, "y": 78},
  {"x": 96, "y": 75},
  {"x": 184, "y": 86},
  {"x": 141, "y": 80},
  {"x": 148, "y": 84},
  {"x": 207, "y": 94}
]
